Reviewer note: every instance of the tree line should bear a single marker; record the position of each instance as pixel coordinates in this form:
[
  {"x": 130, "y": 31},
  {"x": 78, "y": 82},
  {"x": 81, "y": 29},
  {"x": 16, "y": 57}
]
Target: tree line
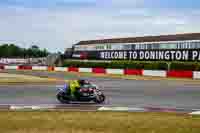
[{"x": 14, "y": 51}]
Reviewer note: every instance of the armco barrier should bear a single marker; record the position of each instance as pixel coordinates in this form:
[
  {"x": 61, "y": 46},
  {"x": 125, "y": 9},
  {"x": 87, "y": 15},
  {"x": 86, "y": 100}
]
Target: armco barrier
[
  {"x": 133, "y": 72},
  {"x": 180, "y": 74},
  {"x": 154, "y": 73},
  {"x": 115, "y": 71},
  {"x": 196, "y": 75},
  {"x": 99, "y": 70}
]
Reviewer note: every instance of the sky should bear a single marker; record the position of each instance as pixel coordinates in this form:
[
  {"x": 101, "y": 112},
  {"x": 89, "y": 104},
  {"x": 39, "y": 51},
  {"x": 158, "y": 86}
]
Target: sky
[{"x": 58, "y": 24}]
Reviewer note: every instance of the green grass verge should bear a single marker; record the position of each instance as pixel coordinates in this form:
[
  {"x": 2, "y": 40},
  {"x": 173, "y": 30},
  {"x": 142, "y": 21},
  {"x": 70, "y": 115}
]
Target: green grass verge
[
  {"x": 97, "y": 122},
  {"x": 147, "y": 65}
]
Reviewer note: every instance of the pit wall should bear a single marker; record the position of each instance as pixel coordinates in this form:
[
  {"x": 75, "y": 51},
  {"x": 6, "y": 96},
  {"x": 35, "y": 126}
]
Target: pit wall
[{"x": 153, "y": 73}]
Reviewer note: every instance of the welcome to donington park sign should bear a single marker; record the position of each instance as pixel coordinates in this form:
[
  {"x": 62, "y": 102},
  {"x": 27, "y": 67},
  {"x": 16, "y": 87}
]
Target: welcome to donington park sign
[{"x": 167, "y": 55}]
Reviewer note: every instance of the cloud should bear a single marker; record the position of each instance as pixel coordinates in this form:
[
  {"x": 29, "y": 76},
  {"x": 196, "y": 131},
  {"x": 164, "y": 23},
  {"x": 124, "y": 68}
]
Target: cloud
[
  {"x": 126, "y": 3},
  {"x": 59, "y": 28},
  {"x": 47, "y": 3}
]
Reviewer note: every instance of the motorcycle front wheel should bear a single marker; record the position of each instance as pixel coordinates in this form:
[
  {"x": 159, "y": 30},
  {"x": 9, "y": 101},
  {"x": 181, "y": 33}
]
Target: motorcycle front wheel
[{"x": 101, "y": 98}]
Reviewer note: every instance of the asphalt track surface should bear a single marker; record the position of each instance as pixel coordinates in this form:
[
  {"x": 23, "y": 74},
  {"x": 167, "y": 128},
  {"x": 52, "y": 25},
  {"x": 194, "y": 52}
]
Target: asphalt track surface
[{"x": 119, "y": 92}]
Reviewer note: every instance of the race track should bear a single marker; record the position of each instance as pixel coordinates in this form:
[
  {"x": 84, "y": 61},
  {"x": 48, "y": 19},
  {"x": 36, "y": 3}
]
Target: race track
[{"x": 119, "y": 92}]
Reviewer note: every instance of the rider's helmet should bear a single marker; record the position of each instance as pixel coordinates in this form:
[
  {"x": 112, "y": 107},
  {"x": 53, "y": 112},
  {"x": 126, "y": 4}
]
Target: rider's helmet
[{"x": 83, "y": 82}]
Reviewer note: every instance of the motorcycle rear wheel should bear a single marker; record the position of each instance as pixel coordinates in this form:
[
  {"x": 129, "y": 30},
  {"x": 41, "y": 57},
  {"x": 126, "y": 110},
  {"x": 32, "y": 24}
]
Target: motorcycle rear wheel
[{"x": 61, "y": 99}]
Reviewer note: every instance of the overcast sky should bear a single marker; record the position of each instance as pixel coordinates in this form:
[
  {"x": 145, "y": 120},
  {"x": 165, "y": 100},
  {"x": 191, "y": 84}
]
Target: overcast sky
[{"x": 57, "y": 24}]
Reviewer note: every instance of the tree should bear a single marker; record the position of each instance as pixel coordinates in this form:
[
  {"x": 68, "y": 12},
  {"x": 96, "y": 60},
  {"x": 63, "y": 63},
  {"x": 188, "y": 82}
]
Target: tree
[
  {"x": 14, "y": 51},
  {"x": 34, "y": 47},
  {"x": 3, "y": 50}
]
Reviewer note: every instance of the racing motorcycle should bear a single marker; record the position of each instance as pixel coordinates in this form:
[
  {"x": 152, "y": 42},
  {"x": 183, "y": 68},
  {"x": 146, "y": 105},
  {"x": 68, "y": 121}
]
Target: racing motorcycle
[{"x": 86, "y": 94}]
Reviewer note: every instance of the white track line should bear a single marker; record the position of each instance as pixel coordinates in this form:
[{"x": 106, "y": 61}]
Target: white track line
[
  {"x": 195, "y": 113},
  {"x": 99, "y": 108}
]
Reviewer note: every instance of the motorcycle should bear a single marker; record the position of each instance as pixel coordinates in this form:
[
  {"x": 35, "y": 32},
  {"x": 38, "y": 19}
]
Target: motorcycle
[{"x": 86, "y": 94}]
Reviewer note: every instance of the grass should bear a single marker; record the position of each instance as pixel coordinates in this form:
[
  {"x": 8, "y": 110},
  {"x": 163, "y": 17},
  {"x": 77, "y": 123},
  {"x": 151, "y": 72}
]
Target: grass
[{"x": 97, "y": 122}]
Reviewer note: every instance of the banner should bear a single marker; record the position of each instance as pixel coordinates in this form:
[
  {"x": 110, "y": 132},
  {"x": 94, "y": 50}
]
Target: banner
[
  {"x": 167, "y": 55},
  {"x": 22, "y": 61}
]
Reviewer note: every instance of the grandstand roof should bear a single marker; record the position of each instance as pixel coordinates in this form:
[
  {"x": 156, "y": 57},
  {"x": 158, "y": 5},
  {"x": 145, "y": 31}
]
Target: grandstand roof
[{"x": 176, "y": 37}]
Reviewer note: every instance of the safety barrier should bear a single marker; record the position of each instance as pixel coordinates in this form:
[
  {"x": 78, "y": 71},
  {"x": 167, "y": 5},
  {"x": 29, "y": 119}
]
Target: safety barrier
[
  {"x": 180, "y": 74},
  {"x": 86, "y": 70},
  {"x": 51, "y": 69},
  {"x": 114, "y": 71},
  {"x": 99, "y": 70},
  {"x": 157, "y": 73},
  {"x": 25, "y": 67},
  {"x": 133, "y": 72},
  {"x": 40, "y": 68},
  {"x": 61, "y": 69},
  {"x": 11, "y": 67},
  {"x": 196, "y": 75},
  {"x": 1, "y": 67},
  {"x": 73, "y": 69}
]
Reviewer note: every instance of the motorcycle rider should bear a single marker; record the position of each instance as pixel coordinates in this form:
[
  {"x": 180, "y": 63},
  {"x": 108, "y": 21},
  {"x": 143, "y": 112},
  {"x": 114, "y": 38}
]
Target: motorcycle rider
[{"x": 74, "y": 86}]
